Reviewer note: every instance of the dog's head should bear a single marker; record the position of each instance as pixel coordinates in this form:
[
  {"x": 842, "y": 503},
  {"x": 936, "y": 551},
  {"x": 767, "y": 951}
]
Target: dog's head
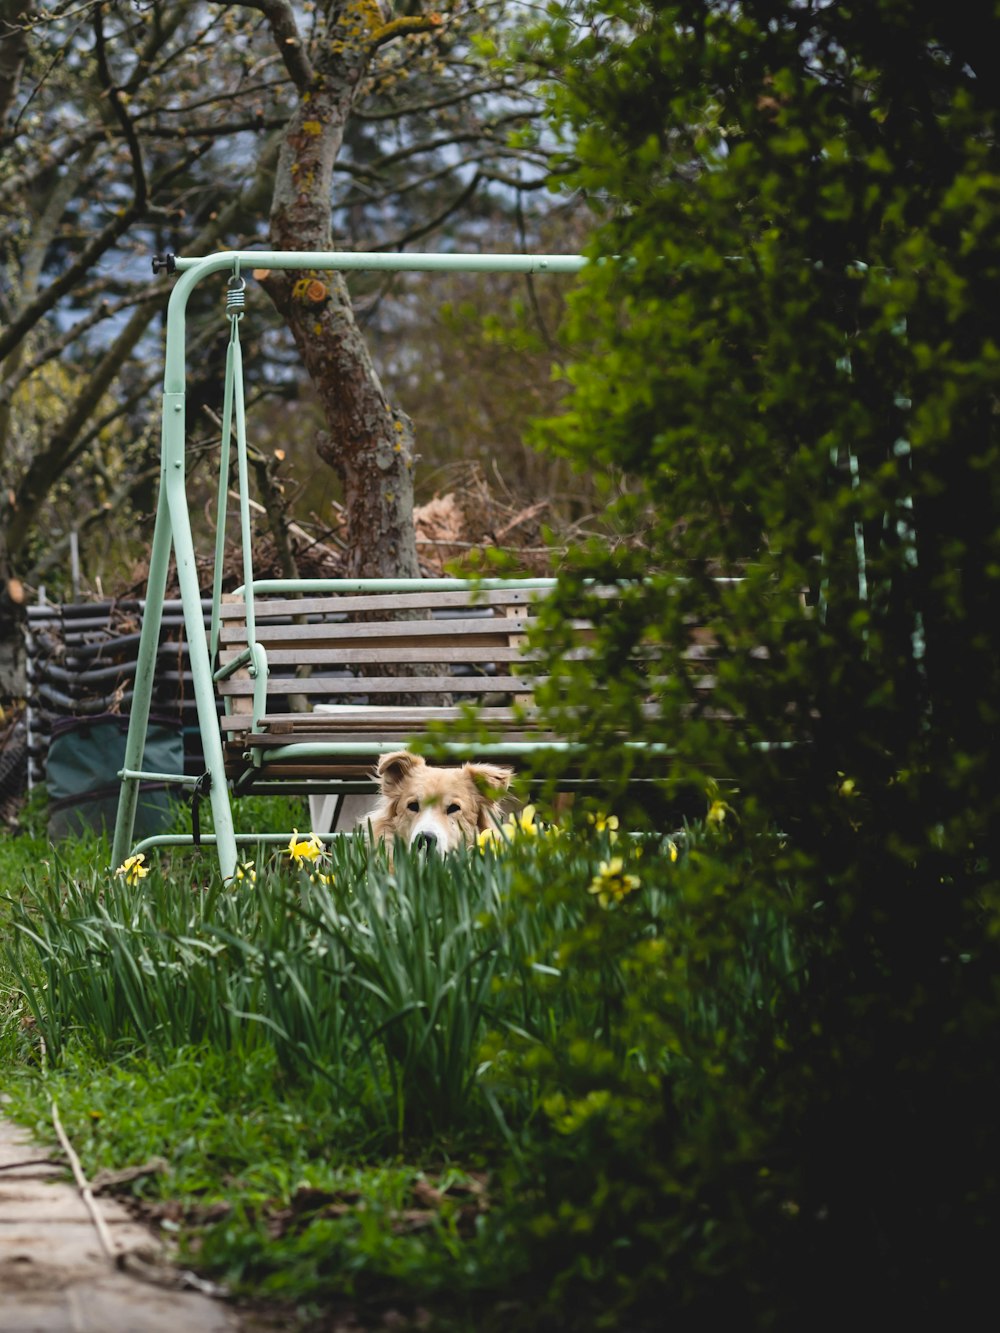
[{"x": 435, "y": 809}]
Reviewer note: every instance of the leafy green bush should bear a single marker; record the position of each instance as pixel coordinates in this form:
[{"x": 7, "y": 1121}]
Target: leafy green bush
[
  {"x": 671, "y": 994},
  {"x": 793, "y": 387}
]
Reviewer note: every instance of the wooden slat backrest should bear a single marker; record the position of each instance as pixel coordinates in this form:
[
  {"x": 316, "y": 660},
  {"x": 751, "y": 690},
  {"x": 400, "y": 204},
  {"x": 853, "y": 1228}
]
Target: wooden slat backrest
[
  {"x": 463, "y": 644},
  {"x": 384, "y": 665},
  {"x": 398, "y": 650},
  {"x": 352, "y": 603},
  {"x": 239, "y": 686}
]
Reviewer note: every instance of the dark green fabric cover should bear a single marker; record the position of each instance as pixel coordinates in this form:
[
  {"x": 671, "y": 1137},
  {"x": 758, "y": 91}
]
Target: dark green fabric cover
[{"x": 81, "y": 773}]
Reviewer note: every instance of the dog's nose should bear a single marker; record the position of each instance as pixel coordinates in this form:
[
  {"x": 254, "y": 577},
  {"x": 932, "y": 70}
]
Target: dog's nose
[{"x": 425, "y": 842}]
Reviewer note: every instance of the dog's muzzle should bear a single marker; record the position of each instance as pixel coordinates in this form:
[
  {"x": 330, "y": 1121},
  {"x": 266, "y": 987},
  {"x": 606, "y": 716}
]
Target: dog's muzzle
[{"x": 425, "y": 842}]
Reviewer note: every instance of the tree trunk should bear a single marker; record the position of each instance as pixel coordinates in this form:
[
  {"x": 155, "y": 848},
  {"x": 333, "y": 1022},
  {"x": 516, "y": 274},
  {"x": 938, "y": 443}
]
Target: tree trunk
[{"x": 367, "y": 441}]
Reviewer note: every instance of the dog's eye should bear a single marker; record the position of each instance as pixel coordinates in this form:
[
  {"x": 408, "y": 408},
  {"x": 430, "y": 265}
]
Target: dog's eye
[
  {"x": 453, "y": 809},
  {"x": 414, "y": 806}
]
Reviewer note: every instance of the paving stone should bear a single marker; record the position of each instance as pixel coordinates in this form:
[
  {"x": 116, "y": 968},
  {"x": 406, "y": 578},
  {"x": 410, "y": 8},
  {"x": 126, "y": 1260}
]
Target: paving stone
[{"x": 54, "y": 1274}]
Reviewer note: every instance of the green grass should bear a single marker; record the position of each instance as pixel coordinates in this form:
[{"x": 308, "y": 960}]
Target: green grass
[{"x": 258, "y": 1188}]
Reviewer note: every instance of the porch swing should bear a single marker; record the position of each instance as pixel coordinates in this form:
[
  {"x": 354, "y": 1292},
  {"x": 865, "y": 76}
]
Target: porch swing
[{"x": 440, "y": 641}]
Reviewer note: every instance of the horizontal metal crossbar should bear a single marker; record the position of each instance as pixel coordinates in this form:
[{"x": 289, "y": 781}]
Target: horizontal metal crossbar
[
  {"x": 140, "y": 775},
  {"x": 368, "y": 261},
  {"x": 282, "y": 587},
  {"x": 346, "y": 749},
  {"x": 211, "y": 840}
]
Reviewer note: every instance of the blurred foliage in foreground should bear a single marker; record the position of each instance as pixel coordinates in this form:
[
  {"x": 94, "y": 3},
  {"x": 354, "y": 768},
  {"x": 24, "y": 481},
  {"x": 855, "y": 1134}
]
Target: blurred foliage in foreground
[{"x": 795, "y": 361}]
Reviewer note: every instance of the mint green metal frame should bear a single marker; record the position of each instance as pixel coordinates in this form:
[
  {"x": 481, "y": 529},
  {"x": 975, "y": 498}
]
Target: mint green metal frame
[{"x": 172, "y": 532}]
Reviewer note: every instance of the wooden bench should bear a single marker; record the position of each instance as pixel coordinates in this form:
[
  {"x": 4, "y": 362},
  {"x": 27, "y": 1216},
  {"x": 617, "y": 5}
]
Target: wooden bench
[
  {"x": 316, "y": 685},
  {"x": 330, "y": 678}
]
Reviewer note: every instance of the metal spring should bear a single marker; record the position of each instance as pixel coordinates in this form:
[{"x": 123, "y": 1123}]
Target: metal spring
[{"x": 235, "y": 298}]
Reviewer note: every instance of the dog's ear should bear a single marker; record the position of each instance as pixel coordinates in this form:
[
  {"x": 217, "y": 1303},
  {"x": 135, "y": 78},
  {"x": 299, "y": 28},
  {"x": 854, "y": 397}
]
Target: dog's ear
[
  {"x": 490, "y": 779},
  {"x": 393, "y": 769}
]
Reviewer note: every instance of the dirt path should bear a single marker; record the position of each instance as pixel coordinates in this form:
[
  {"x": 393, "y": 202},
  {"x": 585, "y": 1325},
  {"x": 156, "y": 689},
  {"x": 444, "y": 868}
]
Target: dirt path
[{"x": 55, "y": 1275}]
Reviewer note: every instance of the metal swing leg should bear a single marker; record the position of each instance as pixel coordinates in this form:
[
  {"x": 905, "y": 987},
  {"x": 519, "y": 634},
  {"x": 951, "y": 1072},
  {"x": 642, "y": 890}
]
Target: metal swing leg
[
  {"x": 138, "y": 723},
  {"x": 173, "y": 531},
  {"x": 194, "y": 625}
]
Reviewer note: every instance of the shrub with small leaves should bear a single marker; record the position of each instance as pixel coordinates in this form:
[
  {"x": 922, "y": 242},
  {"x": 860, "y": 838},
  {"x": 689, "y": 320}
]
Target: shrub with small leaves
[{"x": 791, "y": 397}]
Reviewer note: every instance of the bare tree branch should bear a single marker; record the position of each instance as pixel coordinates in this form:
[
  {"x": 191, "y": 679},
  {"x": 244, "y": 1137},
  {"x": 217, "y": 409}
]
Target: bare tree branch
[
  {"x": 39, "y": 83},
  {"x": 404, "y": 26},
  {"x": 432, "y": 224},
  {"x": 118, "y": 108},
  {"x": 475, "y": 135},
  {"x": 281, "y": 20},
  {"x": 55, "y": 348},
  {"x": 66, "y": 442},
  {"x": 427, "y": 108},
  {"x": 13, "y": 55},
  {"x": 50, "y": 461}
]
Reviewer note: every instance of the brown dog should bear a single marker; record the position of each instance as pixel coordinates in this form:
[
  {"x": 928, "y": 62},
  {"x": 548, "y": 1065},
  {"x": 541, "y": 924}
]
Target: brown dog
[{"x": 435, "y": 809}]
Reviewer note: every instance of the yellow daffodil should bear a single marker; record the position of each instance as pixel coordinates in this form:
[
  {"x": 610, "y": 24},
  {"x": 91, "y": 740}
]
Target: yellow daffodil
[
  {"x": 522, "y": 822},
  {"x": 601, "y": 821},
  {"x": 720, "y": 814},
  {"x": 246, "y": 871},
  {"x": 605, "y": 824},
  {"x": 672, "y": 849},
  {"x": 132, "y": 870},
  {"x": 611, "y": 884},
  {"x": 489, "y": 838},
  {"x": 305, "y": 848},
  {"x": 319, "y": 878}
]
